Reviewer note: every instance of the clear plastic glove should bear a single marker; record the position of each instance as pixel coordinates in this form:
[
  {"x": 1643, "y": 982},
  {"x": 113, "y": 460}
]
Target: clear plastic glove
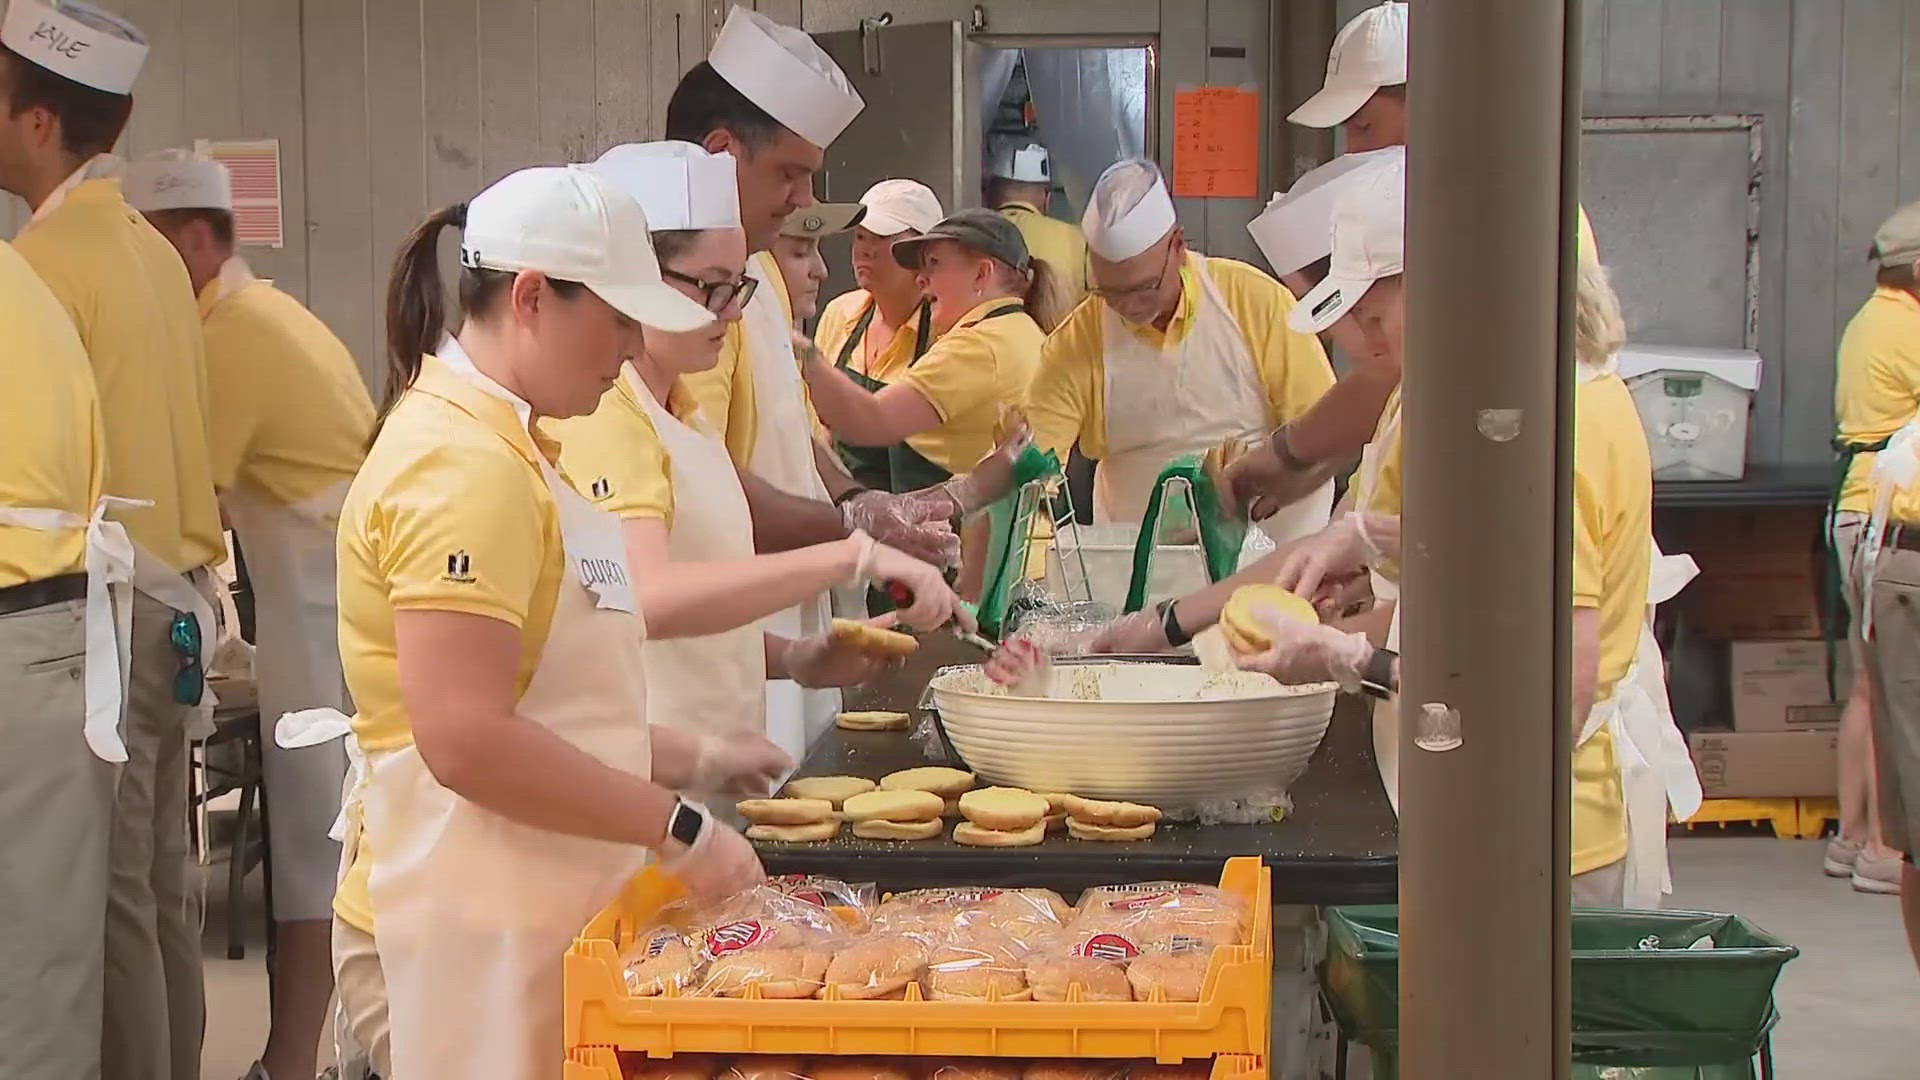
[
  {"x": 918, "y": 528},
  {"x": 990, "y": 478},
  {"x": 744, "y": 764},
  {"x": 1304, "y": 652},
  {"x": 720, "y": 863},
  {"x": 1018, "y": 662},
  {"x": 932, "y": 602},
  {"x": 1135, "y": 632},
  {"x": 1337, "y": 552},
  {"x": 826, "y": 660}
]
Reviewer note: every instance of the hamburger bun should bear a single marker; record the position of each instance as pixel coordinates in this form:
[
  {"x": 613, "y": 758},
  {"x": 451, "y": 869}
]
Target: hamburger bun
[
  {"x": 765, "y": 1067},
  {"x": 1099, "y": 980},
  {"x": 660, "y": 961},
  {"x": 873, "y": 721},
  {"x": 899, "y": 830},
  {"x": 979, "y": 836},
  {"x": 859, "y": 1068},
  {"x": 1003, "y": 808},
  {"x": 1117, "y": 814},
  {"x": 938, "y": 779},
  {"x": 795, "y": 834},
  {"x": 834, "y": 789},
  {"x": 876, "y": 965},
  {"x": 1081, "y": 830},
  {"x": 873, "y": 639},
  {"x": 777, "y": 972},
  {"x": 1178, "y": 976},
  {"x": 785, "y": 811},
  {"x": 894, "y": 805}
]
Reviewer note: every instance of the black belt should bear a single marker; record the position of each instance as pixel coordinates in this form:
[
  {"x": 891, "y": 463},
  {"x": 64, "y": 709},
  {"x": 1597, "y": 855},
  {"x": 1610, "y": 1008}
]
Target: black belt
[
  {"x": 32, "y": 594},
  {"x": 1904, "y": 537}
]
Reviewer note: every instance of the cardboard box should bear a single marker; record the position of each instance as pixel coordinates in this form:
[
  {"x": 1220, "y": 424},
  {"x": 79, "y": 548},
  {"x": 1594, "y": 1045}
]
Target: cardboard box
[
  {"x": 1760, "y": 572},
  {"x": 1766, "y": 764},
  {"x": 1781, "y": 685}
]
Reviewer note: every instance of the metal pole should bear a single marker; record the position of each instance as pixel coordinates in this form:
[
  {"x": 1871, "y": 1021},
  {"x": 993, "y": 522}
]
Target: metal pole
[{"x": 1484, "y": 835}]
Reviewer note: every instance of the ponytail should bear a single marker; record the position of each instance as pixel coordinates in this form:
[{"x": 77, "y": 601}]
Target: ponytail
[
  {"x": 1045, "y": 300},
  {"x": 416, "y": 301}
]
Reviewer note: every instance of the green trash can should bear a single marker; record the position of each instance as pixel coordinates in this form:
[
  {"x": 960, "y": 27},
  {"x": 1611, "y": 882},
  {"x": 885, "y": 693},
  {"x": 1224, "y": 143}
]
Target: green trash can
[{"x": 1684, "y": 991}]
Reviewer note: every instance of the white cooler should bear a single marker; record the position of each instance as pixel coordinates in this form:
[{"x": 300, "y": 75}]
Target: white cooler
[{"x": 1694, "y": 404}]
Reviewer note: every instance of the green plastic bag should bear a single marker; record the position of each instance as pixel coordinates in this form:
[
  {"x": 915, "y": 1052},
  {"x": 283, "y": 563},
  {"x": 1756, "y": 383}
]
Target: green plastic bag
[
  {"x": 1645, "y": 993},
  {"x": 1036, "y": 473},
  {"x": 1221, "y": 535}
]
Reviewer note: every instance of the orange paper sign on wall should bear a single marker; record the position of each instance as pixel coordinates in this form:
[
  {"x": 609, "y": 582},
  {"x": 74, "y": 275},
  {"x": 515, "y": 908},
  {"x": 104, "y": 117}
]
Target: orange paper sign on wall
[{"x": 1216, "y": 143}]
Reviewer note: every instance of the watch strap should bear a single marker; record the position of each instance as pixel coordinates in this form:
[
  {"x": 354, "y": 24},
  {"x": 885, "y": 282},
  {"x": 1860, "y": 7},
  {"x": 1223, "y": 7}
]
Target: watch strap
[
  {"x": 1170, "y": 625},
  {"x": 1377, "y": 679}
]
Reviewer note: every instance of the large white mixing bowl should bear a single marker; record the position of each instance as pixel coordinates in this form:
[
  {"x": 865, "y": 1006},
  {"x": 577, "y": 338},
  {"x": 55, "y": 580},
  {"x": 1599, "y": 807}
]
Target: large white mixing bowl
[{"x": 1168, "y": 734}]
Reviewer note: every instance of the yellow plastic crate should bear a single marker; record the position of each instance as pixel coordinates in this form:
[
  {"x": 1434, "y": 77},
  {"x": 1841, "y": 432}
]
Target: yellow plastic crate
[
  {"x": 1782, "y": 814},
  {"x": 600, "y": 1063},
  {"x": 1231, "y": 1016},
  {"x": 1815, "y": 813}
]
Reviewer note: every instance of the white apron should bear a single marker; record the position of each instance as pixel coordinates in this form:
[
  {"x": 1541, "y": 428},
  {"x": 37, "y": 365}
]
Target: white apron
[
  {"x": 715, "y": 682},
  {"x": 1656, "y": 771},
  {"x": 783, "y": 456},
  {"x": 1162, "y": 403},
  {"x": 113, "y": 559},
  {"x": 474, "y": 911},
  {"x": 1386, "y": 712}
]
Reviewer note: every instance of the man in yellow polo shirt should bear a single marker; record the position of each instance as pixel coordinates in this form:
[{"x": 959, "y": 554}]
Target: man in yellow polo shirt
[
  {"x": 57, "y": 793},
  {"x": 65, "y": 77},
  {"x": 1181, "y": 352},
  {"x": 1876, "y": 392},
  {"x": 1020, "y": 185},
  {"x": 290, "y": 422}
]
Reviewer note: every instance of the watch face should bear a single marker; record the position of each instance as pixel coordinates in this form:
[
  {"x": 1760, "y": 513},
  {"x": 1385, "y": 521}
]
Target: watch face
[{"x": 685, "y": 826}]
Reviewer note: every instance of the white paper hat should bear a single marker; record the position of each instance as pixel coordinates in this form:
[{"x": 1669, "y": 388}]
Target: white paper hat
[
  {"x": 567, "y": 224},
  {"x": 894, "y": 206},
  {"x": 1028, "y": 164},
  {"x": 1369, "y": 243},
  {"x": 78, "y": 41},
  {"x": 785, "y": 72},
  {"x": 1369, "y": 52},
  {"x": 1129, "y": 210},
  {"x": 679, "y": 185},
  {"x": 1296, "y": 228},
  {"x": 177, "y": 180}
]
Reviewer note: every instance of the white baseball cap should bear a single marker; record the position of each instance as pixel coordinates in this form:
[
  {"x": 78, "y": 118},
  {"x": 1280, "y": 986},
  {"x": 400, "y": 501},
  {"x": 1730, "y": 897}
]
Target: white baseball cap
[
  {"x": 1296, "y": 228},
  {"x": 1129, "y": 210},
  {"x": 1369, "y": 52},
  {"x": 561, "y": 221},
  {"x": 177, "y": 180},
  {"x": 1027, "y": 164},
  {"x": 786, "y": 73},
  {"x": 1369, "y": 243},
  {"x": 894, "y": 206},
  {"x": 679, "y": 184},
  {"x": 78, "y": 41}
]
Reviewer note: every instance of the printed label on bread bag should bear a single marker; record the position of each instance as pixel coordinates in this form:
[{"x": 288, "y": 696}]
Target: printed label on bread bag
[
  {"x": 734, "y": 936},
  {"x": 659, "y": 942},
  {"x": 1106, "y": 947}
]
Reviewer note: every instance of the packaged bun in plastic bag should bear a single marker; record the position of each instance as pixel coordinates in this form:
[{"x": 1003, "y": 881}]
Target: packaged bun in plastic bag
[
  {"x": 765, "y": 1067},
  {"x": 1162, "y": 916},
  {"x": 876, "y": 966},
  {"x": 660, "y": 960},
  {"x": 940, "y": 914},
  {"x": 1077, "y": 1069},
  {"x": 765, "y": 938},
  {"x": 825, "y": 891},
  {"x": 977, "y": 964},
  {"x": 862, "y": 1068},
  {"x": 976, "y": 1069}
]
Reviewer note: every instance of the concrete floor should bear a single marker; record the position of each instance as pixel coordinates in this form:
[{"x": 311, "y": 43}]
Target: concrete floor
[{"x": 1850, "y": 1003}]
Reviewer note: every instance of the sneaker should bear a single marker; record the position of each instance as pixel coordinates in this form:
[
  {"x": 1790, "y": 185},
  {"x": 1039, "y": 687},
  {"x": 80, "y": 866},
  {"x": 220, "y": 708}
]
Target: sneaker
[
  {"x": 1841, "y": 855},
  {"x": 1873, "y": 874}
]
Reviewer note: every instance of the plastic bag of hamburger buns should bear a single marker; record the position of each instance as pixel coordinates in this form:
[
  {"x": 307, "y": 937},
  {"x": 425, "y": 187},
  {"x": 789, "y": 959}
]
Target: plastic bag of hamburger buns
[
  {"x": 765, "y": 938},
  {"x": 939, "y": 915},
  {"x": 876, "y": 966},
  {"x": 1165, "y": 916},
  {"x": 660, "y": 961},
  {"x": 977, "y": 963},
  {"x": 827, "y": 892}
]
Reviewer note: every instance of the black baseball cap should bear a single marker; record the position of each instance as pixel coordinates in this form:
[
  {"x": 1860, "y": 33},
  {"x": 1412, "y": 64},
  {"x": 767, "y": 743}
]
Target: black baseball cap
[{"x": 985, "y": 231}]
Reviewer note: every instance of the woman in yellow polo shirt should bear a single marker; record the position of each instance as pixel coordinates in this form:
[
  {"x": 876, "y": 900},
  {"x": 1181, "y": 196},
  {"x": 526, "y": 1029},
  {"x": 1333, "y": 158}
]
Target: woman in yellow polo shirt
[
  {"x": 489, "y": 636},
  {"x": 648, "y": 455},
  {"x": 949, "y": 409}
]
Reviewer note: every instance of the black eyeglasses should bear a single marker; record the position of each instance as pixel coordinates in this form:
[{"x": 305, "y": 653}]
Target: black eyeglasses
[
  {"x": 1143, "y": 289},
  {"x": 716, "y": 295}
]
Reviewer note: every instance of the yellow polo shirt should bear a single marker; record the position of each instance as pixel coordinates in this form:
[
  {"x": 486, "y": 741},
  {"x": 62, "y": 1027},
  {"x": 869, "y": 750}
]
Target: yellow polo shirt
[
  {"x": 291, "y": 417},
  {"x": 1067, "y": 403},
  {"x": 1876, "y": 386},
  {"x": 53, "y": 453},
  {"x": 1613, "y": 530},
  {"x": 449, "y": 512},
  {"x": 1062, "y": 246},
  {"x": 837, "y": 321},
  {"x": 128, "y": 294},
  {"x": 971, "y": 376},
  {"x": 726, "y": 392},
  {"x": 614, "y": 454}
]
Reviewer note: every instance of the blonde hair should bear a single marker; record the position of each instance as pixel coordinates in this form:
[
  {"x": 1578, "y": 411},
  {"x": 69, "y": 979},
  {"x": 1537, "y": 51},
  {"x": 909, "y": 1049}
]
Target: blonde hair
[{"x": 1598, "y": 329}]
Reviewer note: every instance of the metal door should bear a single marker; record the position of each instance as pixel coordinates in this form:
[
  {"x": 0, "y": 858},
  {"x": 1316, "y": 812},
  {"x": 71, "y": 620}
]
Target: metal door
[{"x": 922, "y": 120}]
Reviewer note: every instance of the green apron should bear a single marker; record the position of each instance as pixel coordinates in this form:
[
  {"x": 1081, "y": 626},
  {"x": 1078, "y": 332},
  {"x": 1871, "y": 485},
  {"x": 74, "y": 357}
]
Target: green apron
[
  {"x": 897, "y": 468},
  {"x": 1836, "y": 618}
]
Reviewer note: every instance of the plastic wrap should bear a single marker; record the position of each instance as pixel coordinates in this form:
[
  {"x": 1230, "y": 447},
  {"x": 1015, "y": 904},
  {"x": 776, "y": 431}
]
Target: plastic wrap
[
  {"x": 1260, "y": 808},
  {"x": 767, "y": 939}
]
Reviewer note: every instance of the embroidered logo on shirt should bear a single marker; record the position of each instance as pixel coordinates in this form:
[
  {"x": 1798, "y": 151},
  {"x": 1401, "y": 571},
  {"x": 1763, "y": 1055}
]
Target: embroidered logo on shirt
[
  {"x": 600, "y": 488},
  {"x": 459, "y": 568}
]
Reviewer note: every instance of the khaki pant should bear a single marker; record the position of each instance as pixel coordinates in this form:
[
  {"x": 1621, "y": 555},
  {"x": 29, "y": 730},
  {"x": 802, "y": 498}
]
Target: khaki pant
[
  {"x": 1893, "y": 658},
  {"x": 56, "y": 809},
  {"x": 155, "y": 1004},
  {"x": 1604, "y": 886},
  {"x": 362, "y": 987}
]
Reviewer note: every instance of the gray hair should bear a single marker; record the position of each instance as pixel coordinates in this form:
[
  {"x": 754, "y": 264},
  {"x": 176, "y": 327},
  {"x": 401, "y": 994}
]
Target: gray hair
[{"x": 1598, "y": 329}]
